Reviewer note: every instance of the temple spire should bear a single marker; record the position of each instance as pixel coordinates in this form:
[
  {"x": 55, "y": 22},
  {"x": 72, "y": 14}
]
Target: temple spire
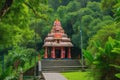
[{"x": 57, "y": 23}]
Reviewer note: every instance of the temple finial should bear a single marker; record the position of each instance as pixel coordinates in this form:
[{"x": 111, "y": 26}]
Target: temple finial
[
  {"x": 57, "y": 23},
  {"x": 57, "y": 20}
]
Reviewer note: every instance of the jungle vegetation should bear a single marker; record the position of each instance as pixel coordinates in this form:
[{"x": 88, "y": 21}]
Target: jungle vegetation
[{"x": 25, "y": 23}]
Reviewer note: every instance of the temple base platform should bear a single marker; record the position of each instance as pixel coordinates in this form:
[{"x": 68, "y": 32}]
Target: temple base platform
[{"x": 60, "y": 65}]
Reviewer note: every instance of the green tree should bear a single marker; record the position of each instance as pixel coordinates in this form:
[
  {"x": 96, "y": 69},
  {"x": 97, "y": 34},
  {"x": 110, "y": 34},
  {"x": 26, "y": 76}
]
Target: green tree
[
  {"x": 82, "y": 18},
  {"x": 117, "y": 11},
  {"x": 16, "y": 59},
  {"x": 105, "y": 59},
  {"x": 104, "y": 49},
  {"x": 107, "y": 6},
  {"x": 16, "y": 19},
  {"x": 103, "y": 34}
]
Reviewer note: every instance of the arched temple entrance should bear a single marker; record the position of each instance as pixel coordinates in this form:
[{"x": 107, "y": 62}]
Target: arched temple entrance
[{"x": 57, "y": 44}]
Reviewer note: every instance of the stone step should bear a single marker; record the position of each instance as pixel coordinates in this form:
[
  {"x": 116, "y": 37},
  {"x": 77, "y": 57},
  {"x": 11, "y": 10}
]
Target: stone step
[
  {"x": 60, "y": 62},
  {"x": 60, "y": 65},
  {"x": 57, "y": 69}
]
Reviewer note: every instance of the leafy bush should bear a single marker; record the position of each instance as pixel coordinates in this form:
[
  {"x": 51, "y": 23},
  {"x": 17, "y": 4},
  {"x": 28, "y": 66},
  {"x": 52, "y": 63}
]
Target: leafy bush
[{"x": 103, "y": 60}]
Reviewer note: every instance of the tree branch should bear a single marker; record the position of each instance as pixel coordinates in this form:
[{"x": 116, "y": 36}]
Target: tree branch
[
  {"x": 6, "y": 7},
  {"x": 34, "y": 11}
]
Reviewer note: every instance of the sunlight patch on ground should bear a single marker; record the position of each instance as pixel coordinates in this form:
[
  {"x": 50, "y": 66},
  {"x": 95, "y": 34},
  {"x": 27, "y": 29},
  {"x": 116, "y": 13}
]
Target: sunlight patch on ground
[{"x": 78, "y": 75}]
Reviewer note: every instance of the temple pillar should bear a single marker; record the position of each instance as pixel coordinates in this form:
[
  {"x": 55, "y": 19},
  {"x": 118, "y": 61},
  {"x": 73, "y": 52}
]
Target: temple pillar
[
  {"x": 45, "y": 54},
  {"x": 62, "y": 52},
  {"x": 53, "y": 52},
  {"x": 69, "y": 53}
]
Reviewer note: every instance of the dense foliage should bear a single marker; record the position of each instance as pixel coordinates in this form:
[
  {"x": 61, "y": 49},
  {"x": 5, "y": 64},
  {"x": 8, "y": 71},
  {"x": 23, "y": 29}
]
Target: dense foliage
[{"x": 25, "y": 23}]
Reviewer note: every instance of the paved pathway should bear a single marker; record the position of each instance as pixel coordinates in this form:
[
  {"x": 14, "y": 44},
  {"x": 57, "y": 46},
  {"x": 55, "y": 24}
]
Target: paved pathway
[{"x": 53, "y": 76}]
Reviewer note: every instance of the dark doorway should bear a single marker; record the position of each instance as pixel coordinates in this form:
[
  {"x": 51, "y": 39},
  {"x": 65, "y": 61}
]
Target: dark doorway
[
  {"x": 58, "y": 52},
  {"x": 66, "y": 51}
]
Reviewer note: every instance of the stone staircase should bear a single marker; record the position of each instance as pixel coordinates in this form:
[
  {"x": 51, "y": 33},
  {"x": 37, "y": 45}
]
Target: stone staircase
[{"x": 60, "y": 65}]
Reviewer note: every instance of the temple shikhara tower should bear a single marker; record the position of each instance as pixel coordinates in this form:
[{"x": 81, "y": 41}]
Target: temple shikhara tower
[{"x": 57, "y": 44}]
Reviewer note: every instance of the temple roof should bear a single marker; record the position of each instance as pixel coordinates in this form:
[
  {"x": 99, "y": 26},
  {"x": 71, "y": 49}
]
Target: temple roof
[
  {"x": 57, "y": 37},
  {"x": 55, "y": 44}
]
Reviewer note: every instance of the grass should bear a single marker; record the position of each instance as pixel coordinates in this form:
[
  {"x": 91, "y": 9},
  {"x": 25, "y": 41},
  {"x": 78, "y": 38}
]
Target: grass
[{"x": 78, "y": 75}]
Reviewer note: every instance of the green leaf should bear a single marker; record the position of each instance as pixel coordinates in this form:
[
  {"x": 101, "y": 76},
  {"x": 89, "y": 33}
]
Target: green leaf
[
  {"x": 116, "y": 50},
  {"x": 101, "y": 50},
  {"x": 96, "y": 62},
  {"x": 111, "y": 41},
  {"x": 97, "y": 44},
  {"x": 117, "y": 75},
  {"x": 116, "y": 66},
  {"x": 108, "y": 47},
  {"x": 88, "y": 55}
]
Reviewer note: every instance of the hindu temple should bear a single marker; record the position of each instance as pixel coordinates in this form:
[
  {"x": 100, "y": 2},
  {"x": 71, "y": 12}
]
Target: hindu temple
[{"x": 57, "y": 44}]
